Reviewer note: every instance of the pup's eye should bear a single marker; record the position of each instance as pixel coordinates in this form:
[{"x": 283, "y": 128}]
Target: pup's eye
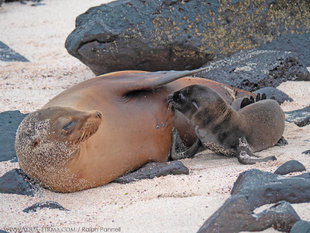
[
  {"x": 69, "y": 125},
  {"x": 182, "y": 97}
]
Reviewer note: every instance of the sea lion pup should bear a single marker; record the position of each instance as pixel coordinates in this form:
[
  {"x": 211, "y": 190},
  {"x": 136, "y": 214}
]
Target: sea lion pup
[
  {"x": 104, "y": 127},
  {"x": 253, "y": 128}
]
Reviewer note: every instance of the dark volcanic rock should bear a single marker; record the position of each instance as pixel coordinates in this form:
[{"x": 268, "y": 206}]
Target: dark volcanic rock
[
  {"x": 290, "y": 166},
  {"x": 235, "y": 216},
  {"x": 300, "y": 117},
  {"x": 8, "y": 54},
  {"x": 253, "y": 189},
  {"x": 9, "y": 122},
  {"x": 151, "y": 170},
  {"x": 301, "y": 227},
  {"x": 274, "y": 92},
  {"x": 35, "y": 2},
  {"x": 297, "y": 43},
  {"x": 43, "y": 205},
  {"x": 307, "y": 152},
  {"x": 254, "y": 69},
  {"x": 16, "y": 182},
  {"x": 265, "y": 187},
  {"x": 177, "y": 34}
]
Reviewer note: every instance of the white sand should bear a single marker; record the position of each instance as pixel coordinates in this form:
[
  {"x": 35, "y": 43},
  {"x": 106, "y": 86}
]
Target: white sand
[{"x": 166, "y": 204}]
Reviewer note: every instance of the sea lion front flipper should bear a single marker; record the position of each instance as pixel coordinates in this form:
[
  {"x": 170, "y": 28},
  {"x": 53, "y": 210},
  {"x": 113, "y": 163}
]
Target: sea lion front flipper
[
  {"x": 154, "y": 169},
  {"x": 179, "y": 150},
  {"x": 153, "y": 80},
  {"x": 282, "y": 142},
  {"x": 245, "y": 156}
]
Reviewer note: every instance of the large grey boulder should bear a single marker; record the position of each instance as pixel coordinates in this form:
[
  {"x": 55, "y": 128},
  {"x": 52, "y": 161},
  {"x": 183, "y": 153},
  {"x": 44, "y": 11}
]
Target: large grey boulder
[{"x": 179, "y": 34}]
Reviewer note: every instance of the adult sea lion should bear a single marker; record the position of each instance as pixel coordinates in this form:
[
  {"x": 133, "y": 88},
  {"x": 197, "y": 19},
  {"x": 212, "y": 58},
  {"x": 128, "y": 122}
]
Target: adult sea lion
[
  {"x": 104, "y": 127},
  {"x": 224, "y": 130}
]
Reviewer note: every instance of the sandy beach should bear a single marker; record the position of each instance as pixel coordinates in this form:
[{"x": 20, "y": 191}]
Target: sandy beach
[{"x": 166, "y": 204}]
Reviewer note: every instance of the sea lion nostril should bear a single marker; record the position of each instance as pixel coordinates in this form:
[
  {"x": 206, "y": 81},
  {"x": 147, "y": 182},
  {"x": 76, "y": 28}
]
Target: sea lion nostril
[
  {"x": 175, "y": 97},
  {"x": 99, "y": 115}
]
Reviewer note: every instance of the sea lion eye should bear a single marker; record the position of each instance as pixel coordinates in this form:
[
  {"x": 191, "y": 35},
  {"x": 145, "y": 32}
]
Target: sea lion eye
[
  {"x": 69, "y": 125},
  {"x": 182, "y": 97}
]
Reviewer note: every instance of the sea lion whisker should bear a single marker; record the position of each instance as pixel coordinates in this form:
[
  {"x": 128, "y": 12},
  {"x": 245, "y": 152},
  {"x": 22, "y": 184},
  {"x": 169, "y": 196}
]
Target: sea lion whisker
[
  {"x": 83, "y": 136},
  {"x": 195, "y": 105},
  {"x": 79, "y": 139}
]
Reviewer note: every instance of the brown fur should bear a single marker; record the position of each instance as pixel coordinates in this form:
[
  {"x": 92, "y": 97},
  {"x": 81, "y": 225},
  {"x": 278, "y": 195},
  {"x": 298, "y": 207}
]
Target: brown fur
[
  {"x": 135, "y": 128},
  {"x": 218, "y": 124}
]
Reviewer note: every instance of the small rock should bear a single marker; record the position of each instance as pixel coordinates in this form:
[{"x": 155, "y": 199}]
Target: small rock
[
  {"x": 274, "y": 92},
  {"x": 307, "y": 152},
  {"x": 9, "y": 122},
  {"x": 300, "y": 117},
  {"x": 301, "y": 227},
  {"x": 37, "y": 3},
  {"x": 153, "y": 169},
  {"x": 290, "y": 166},
  {"x": 9, "y": 55},
  {"x": 43, "y": 205},
  {"x": 16, "y": 182}
]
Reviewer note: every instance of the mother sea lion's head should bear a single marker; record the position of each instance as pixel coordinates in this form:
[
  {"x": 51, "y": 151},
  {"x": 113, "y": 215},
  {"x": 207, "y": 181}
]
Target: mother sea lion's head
[{"x": 48, "y": 138}]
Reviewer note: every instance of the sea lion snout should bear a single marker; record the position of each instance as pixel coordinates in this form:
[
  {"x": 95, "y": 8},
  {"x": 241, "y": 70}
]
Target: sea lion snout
[
  {"x": 187, "y": 99},
  {"x": 179, "y": 97}
]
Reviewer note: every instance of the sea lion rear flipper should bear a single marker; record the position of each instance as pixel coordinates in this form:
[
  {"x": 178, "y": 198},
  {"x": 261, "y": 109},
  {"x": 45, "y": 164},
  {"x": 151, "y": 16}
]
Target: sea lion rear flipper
[
  {"x": 241, "y": 102},
  {"x": 153, "y": 80},
  {"x": 282, "y": 142},
  {"x": 179, "y": 151},
  {"x": 245, "y": 156},
  {"x": 245, "y": 101}
]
